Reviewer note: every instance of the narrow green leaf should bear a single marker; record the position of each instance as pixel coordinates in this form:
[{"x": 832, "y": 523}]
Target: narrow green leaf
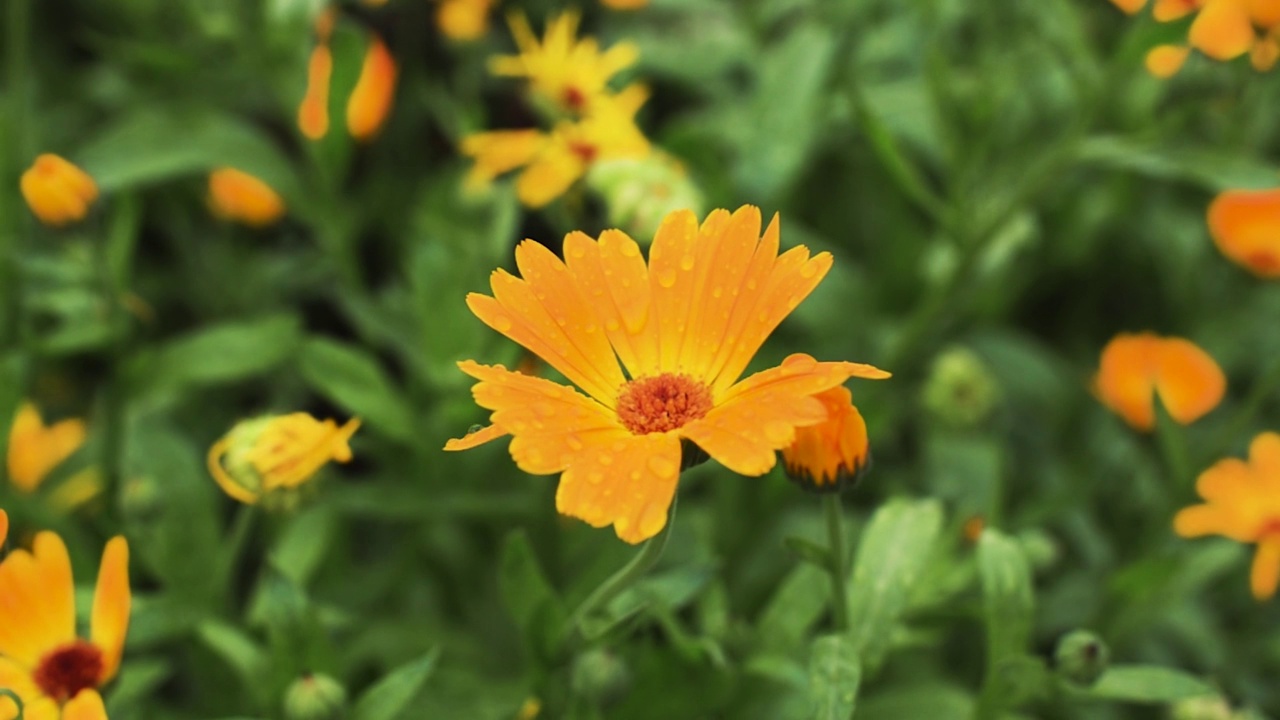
[
  {"x": 244, "y": 656},
  {"x": 1148, "y": 684},
  {"x": 1006, "y": 596},
  {"x": 355, "y": 380},
  {"x": 388, "y": 699},
  {"x": 795, "y": 607},
  {"x": 809, "y": 551},
  {"x": 834, "y": 674},
  {"x": 528, "y": 595},
  {"x": 892, "y": 554},
  {"x": 225, "y": 353}
]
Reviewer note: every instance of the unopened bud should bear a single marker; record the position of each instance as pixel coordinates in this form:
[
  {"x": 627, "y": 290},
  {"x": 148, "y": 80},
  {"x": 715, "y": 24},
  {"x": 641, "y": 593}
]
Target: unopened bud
[
  {"x": 601, "y": 676},
  {"x": 269, "y": 457},
  {"x": 315, "y": 697},
  {"x": 1081, "y": 657},
  {"x": 640, "y": 192},
  {"x": 960, "y": 391}
]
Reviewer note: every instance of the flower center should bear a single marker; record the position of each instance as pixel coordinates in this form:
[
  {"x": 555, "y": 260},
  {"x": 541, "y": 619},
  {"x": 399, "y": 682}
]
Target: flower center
[
  {"x": 69, "y": 669},
  {"x": 586, "y": 151},
  {"x": 574, "y": 98},
  {"x": 662, "y": 403}
]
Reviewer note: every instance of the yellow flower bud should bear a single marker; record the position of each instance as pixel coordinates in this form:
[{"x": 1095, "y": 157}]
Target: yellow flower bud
[
  {"x": 58, "y": 192},
  {"x": 239, "y": 196},
  {"x": 277, "y": 453}
]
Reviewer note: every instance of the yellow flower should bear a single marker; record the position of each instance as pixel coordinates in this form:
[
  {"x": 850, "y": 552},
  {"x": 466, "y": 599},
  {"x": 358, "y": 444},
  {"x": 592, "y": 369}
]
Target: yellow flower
[
  {"x": 35, "y": 449},
  {"x": 58, "y": 192},
  {"x": 833, "y": 454},
  {"x": 555, "y": 161},
  {"x": 685, "y": 325},
  {"x": 237, "y": 195},
  {"x": 570, "y": 73},
  {"x": 1137, "y": 367},
  {"x": 277, "y": 452},
  {"x": 1242, "y": 502},
  {"x": 1245, "y": 225},
  {"x": 463, "y": 20},
  {"x": 55, "y": 673},
  {"x": 370, "y": 101}
]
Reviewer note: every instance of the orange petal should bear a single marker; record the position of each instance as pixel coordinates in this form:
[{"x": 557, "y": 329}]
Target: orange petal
[
  {"x": 1265, "y": 574},
  {"x": 1225, "y": 481},
  {"x": 1245, "y": 225},
  {"x": 370, "y": 101},
  {"x": 86, "y": 705},
  {"x": 612, "y": 273},
  {"x": 1264, "y": 54},
  {"x": 40, "y": 708},
  {"x": 313, "y": 112},
  {"x": 1189, "y": 382},
  {"x": 1129, "y": 6},
  {"x": 671, "y": 262},
  {"x": 549, "y": 176},
  {"x": 1168, "y": 10},
  {"x": 1222, "y": 30},
  {"x": 15, "y": 677},
  {"x": 1264, "y": 13},
  {"x": 1200, "y": 520},
  {"x": 1125, "y": 379},
  {"x": 475, "y": 439},
  {"x": 37, "y": 599},
  {"x": 624, "y": 480},
  {"x": 1264, "y": 457},
  {"x": 4, "y": 527},
  {"x": 501, "y": 151},
  {"x": 463, "y": 20},
  {"x": 1164, "y": 61},
  {"x": 237, "y": 195},
  {"x": 833, "y": 451},
  {"x": 111, "y": 603},
  {"x": 550, "y": 424}
]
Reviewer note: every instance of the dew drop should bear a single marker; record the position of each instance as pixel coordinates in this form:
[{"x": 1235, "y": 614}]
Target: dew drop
[
  {"x": 629, "y": 249},
  {"x": 666, "y": 277},
  {"x": 605, "y": 459},
  {"x": 502, "y": 323},
  {"x": 662, "y": 467},
  {"x": 611, "y": 325},
  {"x": 808, "y": 270},
  {"x": 653, "y": 520},
  {"x": 578, "y": 251},
  {"x": 777, "y": 431},
  {"x": 686, "y": 262},
  {"x": 595, "y": 477},
  {"x": 717, "y": 292},
  {"x": 621, "y": 524}
]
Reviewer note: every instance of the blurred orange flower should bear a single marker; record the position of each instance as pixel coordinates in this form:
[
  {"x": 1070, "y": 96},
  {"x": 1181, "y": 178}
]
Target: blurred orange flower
[
  {"x": 239, "y": 196},
  {"x": 36, "y": 449},
  {"x": 1242, "y": 502},
  {"x": 1221, "y": 30},
  {"x": 463, "y": 20},
  {"x": 313, "y": 113},
  {"x": 53, "y": 672},
  {"x": 569, "y": 73},
  {"x": 1245, "y": 225},
  {"x": 685, "y": 325},
  {"x": 1137, "y": 367},
  {"x": 624, "y": 4},
  {"x": 370, "y": 101},
  {"x": 278, "y": 452},
  {"x": 58, "y": 192},
  {"x": 4, "y": 527},
  {"x": 834, "y": 453}
]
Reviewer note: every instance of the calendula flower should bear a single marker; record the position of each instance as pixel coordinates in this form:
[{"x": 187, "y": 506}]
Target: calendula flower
[
  {"x": 685, "y": 325},
  {"x": 1242, "y": 502},
  {"x": 463, "y": 20},
  {"x": 1222, "y": 30},
  {"x": 834, "y": 453},
  {"x": 554, "y": 161},
  {"x": 55, "y": 673},
  {"x": 58, "y": 192},
  {"x": 1137, "y": 367},
  {"x": 1245, "y": 225},
  {"x": 239, "y": 196},
  {"x": 35, "y": 449},
  {"x": 275, "y": 453},
  {"x": 370, "y": 101},
  {"x": 571, "y": 74}
]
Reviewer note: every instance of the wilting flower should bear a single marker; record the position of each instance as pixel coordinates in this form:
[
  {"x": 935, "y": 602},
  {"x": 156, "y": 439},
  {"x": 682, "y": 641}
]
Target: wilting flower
[
  {"x": 35, "y": 449},
  {"x": 463, "y": 20},
  {"x": 554, "y": 161},
  {"x": 276, "y": 453},
  {"x": 239, "y": 196},
  {"x": 370, "y": 101},
  {"x": 58, "y": 192},
  {"x": 834, "y": 453},
  {"x": 684, "y": 325},
  {"x": 1137, "y": 367},
  {"x": 1222, "y": 30},
  {"x": 55, "y": 673},
  {"x": 1245, "y": 225},
  {"x": 571, "y": 74},
  {"x": 1242, "y": 502}
]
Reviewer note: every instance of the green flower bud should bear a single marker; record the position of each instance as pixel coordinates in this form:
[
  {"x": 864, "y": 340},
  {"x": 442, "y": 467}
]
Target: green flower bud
[
  {"x": 639, "y": 192},
  {"x": 315, "y": 697},
  {"x": 601, "y": 676},
  {"x": 1041, "y": 549},
  {"x": 141, "y": 499},
  {"x": 1081, "y": 657},
  {"x": 960, "y": 390}
]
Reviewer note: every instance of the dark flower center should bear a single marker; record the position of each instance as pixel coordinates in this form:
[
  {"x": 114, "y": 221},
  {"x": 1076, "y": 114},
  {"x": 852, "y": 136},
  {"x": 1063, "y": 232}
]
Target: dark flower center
[{"x": 69, "y": 669}]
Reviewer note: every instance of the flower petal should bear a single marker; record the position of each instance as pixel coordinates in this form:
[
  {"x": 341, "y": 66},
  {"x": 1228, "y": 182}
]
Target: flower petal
[
  {"x": 1129, "y": 6},
  {"x": 549, "y": 175},
  {"x": 612, "y": 273},
  {"x": 1222, "y": 30},
  {"x": 86, "y": 705},
  {"x": 1164, "y": 61},
  {"x": 111, "y": 603},
  {"x": 475, "y": 439},
  {"x": 624, "y": 480},
  {"x": 1265, "y": 574},
  {"x": 1201, "y": 520},
  {"x": 1169, "y": 10},
  {"x": 17, "y": 678},
  {"x": 1188, "y": 380},
  {"x": 40, "y": 708},
  {"x": 671, "y": 260},
  {"x": 38, "y": 594},
  {"x": 1125, "y": 378},
  {"x": 1245, "y": 225},
  {"x": 501, "y": 151},
  {"x": 4, "y": 527}
]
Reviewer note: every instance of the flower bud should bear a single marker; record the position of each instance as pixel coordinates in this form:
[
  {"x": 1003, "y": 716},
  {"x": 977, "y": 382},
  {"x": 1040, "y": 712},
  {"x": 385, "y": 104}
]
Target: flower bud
[
  {"x": 960, "y": 390},
  {"x": 273, "y": 455},
  {"x": 370, "y": 100},
  {"x": 1081, "y": 657},
  {"x": 833, "y": 454},
  {"x": 640, "y": 191},
  {"x": 601, "y": 676},
  {"x": 239, "y": 196},
  {"x": 315, "y": 697},
  {"x": 58, "y": 192}
]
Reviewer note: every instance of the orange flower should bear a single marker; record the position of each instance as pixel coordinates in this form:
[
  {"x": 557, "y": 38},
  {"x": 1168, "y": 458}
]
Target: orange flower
[
  {"x": 684, "y": 325},
  {"x": 463, "y": 20},
  {"x": 1245, "y": 225},
  {"x": 313, "y": 113},
  {"x": 570, "y": 73},
  {"x": 1242, "y": 502},
  {"x": 624, "y": 4},
  {"x": 1223, "y": 30},
  {"x": 57, "y": 192},
  {"x": 277, "y": 453},
  {"x": 236, "y": 195},
  {"x": 1137, "y": 367},
  {"x": 1164, "y": 61},
  {"x": 370, "y": 101},
  {"x": 36, "y": 449},
  {"x": 4, "y": 527},
  {"x": 55, "y": 673},
  {"x": 834, "y": 453}
]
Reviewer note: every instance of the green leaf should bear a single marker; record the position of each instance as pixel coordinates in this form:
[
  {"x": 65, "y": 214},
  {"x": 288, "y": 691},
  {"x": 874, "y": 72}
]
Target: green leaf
[
  {"x": 1148, "y": 684},
  {"x": 249, "y": 660},
  {"x": 809, "y": 551},
  {"x": 355, "y": 380},
  {"x": 1007, "y": 600},
  {"x": 388, "y": 699},
  {"x": 225, "y": 353},
  {"x": 795, "y": 607},
  {"x": 932, "y": 700},
  {"x": 137, "y": 681},
  {"x": 834, "y": 674},
  {"x": 528, "y": 595},
  {"x": 892, "y": 554},
  {"x": 1211, "y": 168}
]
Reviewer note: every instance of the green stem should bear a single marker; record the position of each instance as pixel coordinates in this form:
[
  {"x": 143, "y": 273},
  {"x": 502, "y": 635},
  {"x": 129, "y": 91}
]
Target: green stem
[
  {"x": 115, "y": 258},
  {"x": 1262, "y": 390},
  {"x": 623, "y": 578},
  {"x": 835, "y": 536},
  {"x": 17, "y": 701},
  {"x": 241, "y": 528}
]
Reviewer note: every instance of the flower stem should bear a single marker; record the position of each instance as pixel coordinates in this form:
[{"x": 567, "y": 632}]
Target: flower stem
[
  {"x": 1173, "y": 446},
  {"x": 835, "y": 536},
  {"x": 240, "y": 530},
  {"x": 624, "y": 578},
  {"x": 17, "y": 702},
  {"x": 1262, "y": 390}
]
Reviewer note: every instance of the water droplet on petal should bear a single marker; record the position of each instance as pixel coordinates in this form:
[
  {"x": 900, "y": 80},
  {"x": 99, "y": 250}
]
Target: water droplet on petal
[
  {"x": 611, "y": 325},
  {"x": 629, "y": 249},
  {"x": 667, "y": 277},
  {"x": 653, "y": 520},
  {"x": 605, "y": 459},
  {"x": 501, "y": 323},
  {"x": 808, "y": 270},
  {"x": 662, "y": 467},
  {"x": 686, "y": 262},
  {"x": 573, "y": 441},
  {"x": 621, "y": 524},
  {"x": 777, "y": 432},
  {"x": 595, "y": 477}
]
